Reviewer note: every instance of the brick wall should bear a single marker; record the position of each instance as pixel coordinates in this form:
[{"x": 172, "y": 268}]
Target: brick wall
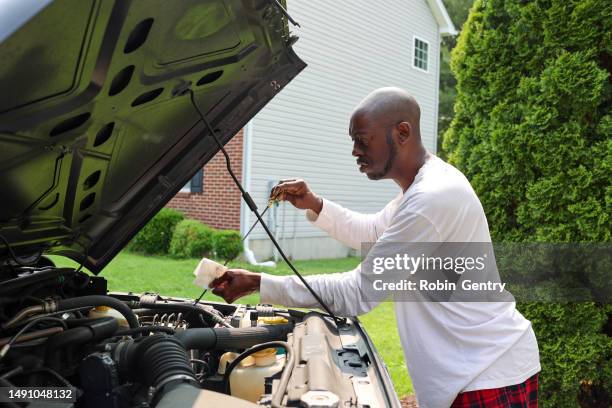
[{"x": 219, "y": 204}]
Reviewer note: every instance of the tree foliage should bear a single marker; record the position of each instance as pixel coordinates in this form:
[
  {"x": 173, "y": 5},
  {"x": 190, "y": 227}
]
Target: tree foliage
[
  {"x": 532, "y": 131},
  {"x": 533, "y": 122},
  {"x": 458, "y": 11}
]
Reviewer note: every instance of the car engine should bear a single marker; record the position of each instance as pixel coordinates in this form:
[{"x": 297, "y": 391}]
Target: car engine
[{"x": 60, "y": 328}]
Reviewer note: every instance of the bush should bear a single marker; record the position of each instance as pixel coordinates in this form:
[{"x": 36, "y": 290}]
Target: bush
[
  {"x": 191, "y": 239},
  {"x": 155, "y": 237},
  {"x": 228, "y": 244},
  {"x": 532, "y": 132},
  {"x": 574, "y": 353},
  {"x": 533, "y": 121}
]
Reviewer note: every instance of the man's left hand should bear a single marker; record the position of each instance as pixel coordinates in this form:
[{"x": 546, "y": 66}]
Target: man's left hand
[{"x": 235, "y": 283}]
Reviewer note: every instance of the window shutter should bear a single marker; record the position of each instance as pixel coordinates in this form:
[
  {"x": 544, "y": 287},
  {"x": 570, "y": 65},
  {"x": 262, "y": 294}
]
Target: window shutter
[{"x": 197, "y": 182}]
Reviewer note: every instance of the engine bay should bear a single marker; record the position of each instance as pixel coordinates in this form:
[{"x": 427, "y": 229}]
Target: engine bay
[
  {"x": 61, "y": 328},
  {"x": 134, "y": 99}
]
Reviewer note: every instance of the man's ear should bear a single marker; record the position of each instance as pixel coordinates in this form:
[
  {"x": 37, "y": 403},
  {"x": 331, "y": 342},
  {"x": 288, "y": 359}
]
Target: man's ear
[{"x": 404, "y": 131}]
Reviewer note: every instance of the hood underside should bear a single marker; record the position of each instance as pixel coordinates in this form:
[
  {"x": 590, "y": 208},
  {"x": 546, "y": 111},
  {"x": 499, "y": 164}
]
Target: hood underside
[{"x": 94, "y": 137}]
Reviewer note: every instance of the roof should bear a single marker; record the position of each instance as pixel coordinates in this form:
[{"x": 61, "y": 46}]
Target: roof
[{"x": 441, "y": 15}]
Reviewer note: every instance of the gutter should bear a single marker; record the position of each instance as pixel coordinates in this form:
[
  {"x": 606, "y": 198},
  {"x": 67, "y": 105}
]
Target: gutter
[
  {"x": 437, "y": 105},
  {"x": 244, "y": 209},
  {"x": 442, "y": 18}
]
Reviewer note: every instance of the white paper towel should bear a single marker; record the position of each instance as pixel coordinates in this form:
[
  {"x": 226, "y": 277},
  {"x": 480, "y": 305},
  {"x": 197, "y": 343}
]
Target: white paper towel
[{"x": 207, "y": 271}]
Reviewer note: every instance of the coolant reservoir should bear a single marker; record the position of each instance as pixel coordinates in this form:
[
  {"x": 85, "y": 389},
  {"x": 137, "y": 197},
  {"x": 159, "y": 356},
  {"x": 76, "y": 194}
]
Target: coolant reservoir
[
  {"x": 247, "y": 380},
  {"x": 105, "y": 311}
]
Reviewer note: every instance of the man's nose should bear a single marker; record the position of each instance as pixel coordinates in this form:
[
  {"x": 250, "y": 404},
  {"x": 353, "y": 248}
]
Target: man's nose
[{"x": 356, "y": 150}]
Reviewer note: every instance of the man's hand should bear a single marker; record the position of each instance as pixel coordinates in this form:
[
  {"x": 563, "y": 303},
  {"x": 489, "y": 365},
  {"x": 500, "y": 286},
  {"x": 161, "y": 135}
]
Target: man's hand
[
  {"x": 298, "y": 194},
  {"x": 235, "y": 283}
]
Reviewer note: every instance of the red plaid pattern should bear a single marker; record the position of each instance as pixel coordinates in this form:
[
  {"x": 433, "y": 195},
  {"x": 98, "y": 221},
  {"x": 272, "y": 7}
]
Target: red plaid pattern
[{"x": 524, "y": 395}]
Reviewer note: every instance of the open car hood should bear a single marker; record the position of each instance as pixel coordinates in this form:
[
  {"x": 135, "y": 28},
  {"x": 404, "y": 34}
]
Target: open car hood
[{"x": 94, "y": 138}]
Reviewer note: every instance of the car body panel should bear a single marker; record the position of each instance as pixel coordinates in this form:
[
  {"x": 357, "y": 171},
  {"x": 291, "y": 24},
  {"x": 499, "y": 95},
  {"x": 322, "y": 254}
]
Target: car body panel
[{"x": 96, "y": 136}]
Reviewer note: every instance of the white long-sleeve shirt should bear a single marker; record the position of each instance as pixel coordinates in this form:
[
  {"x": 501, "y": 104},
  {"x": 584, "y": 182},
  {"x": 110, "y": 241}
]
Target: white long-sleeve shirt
[{"x": 450, "y": 347}]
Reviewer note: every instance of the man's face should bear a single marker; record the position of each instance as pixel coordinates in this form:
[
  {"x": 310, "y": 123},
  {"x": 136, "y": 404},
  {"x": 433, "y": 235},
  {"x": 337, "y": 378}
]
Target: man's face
[{"x": 373, "y": 147}]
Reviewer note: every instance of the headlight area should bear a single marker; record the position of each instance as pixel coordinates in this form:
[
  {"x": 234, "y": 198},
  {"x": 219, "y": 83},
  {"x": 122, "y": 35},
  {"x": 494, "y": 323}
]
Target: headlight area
[{"x": 59, "y": 328}]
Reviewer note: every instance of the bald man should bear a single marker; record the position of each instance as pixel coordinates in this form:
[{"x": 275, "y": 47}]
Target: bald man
[{"x": 459, "y": 354}]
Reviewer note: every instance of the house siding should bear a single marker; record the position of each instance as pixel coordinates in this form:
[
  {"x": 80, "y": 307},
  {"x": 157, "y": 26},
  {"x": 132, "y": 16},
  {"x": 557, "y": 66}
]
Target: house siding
[{"x": 351, "y": 48}]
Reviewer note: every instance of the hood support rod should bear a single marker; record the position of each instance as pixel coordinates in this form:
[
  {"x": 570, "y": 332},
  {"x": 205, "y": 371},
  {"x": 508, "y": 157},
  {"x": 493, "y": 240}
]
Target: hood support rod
[{"x": 253, "y": 207}]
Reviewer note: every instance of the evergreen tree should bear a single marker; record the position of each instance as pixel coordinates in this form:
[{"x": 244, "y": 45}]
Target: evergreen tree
[
  {"x": 458, "y": 11},
  {"x": 532, "y": 131}
]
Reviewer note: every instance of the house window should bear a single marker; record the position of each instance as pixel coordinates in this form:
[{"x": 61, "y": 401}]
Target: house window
[
  {"x": 421, "y": 54},
  {"x": 196, "y": 184},
  {"x": 186, "y": 188}
]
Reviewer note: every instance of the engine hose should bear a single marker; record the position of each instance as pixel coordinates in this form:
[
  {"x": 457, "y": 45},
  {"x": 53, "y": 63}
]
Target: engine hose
[
  {"x": 277, "y": 397},
  {"x": 161, "y": 362},
  {"x": 145, "y": 329},
  {"x": 127, "y": 353},
  {"x": 79, "y": 321},
  {"x": 236, "y": 339},
  {"x": 98, "y": 300},
  {"x": 185, "y": 308},
  {"x": 92, "y": 332},
  {"x": 182, "y": 395},
  {"x": 22, "y": 314},
  {"x": 289, "y": 362}
]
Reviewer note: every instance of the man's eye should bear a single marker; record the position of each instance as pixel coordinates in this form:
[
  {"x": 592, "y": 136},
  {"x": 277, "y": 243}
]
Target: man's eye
[{"x": 361, "y": 142}]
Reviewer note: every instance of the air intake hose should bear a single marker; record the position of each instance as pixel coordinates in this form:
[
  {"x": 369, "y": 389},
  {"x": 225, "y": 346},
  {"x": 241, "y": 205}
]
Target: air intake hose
[
  {"x": 222, "y": 338},
  {"x": 161, "y": 362}
]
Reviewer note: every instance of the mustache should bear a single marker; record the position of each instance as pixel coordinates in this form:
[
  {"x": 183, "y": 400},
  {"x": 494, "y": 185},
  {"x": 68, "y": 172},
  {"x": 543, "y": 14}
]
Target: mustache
[{"x": 362, "y": 161}]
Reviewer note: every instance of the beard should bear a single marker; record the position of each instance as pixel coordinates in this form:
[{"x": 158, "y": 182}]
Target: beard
[{"x": 390, "y": 159}]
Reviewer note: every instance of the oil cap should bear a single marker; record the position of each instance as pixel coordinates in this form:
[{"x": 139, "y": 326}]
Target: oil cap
[{"x": 320, "y": 399}]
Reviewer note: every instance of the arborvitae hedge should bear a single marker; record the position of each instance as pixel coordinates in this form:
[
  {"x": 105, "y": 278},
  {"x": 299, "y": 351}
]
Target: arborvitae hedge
[{"x": 532, "y": 131}]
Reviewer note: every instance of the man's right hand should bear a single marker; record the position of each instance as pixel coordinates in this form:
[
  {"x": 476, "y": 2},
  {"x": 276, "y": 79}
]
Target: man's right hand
[
  {"x": 298, "y": 194},
  {"x": 235, "y": 283}
]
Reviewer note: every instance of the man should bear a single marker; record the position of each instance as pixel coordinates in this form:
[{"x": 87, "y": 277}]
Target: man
[{"x": 459, "y": 354}]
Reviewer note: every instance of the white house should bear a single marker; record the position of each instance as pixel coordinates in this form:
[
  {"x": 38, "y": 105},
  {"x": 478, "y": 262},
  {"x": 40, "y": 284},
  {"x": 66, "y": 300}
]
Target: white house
[{"x": 351, "y": 48}]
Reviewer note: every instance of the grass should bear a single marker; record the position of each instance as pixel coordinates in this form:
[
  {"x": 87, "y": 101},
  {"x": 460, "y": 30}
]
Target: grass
[{"x": 137, "y": 273}]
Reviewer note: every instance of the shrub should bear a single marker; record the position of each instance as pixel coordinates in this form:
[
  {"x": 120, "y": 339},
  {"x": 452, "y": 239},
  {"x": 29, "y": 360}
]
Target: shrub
[
  {"x": 228, "y": 244},
  {"x": 155, "y": 236},
  {"x": 574, "y": 352},
  {"x": 191, "y": 239},
  {"x": 532, "y": 132}
]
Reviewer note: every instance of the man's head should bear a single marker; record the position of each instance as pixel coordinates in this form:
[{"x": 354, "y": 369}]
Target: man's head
[{"x": 385, "y": 131}]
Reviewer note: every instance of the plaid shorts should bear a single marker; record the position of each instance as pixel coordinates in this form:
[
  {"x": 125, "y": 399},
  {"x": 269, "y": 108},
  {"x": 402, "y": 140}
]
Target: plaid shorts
[{"x": 524, "y": 395}]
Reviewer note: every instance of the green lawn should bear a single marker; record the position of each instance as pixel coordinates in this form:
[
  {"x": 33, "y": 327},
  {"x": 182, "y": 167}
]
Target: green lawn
[{"x": 137, "y": 273}]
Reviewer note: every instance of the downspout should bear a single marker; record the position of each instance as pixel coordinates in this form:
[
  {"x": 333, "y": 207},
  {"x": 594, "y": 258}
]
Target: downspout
[
  {"x": 245, "y": 219},
  {"x": 437, "y": 104}
]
